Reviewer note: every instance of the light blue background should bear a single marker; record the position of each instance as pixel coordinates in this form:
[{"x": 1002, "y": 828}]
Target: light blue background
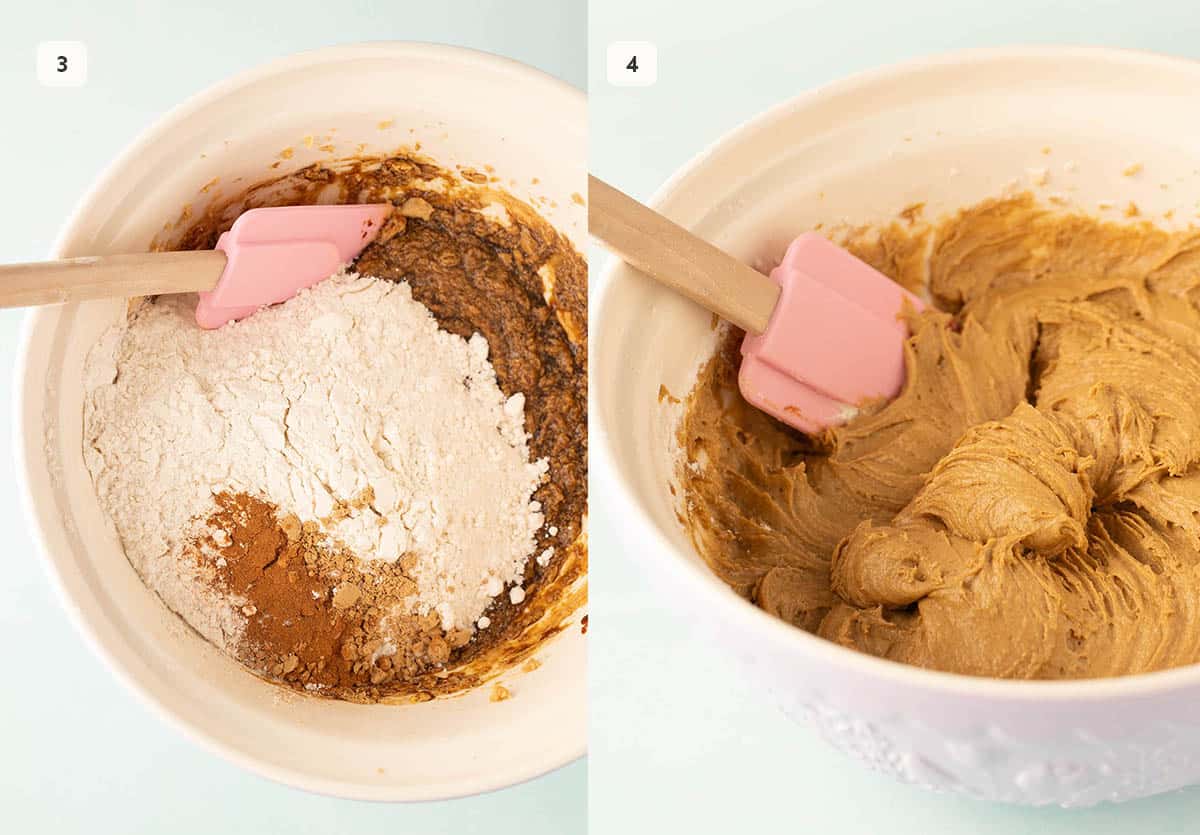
[
  {"x": 78, "y": 753},
  {"x": 679, "y": 742}
]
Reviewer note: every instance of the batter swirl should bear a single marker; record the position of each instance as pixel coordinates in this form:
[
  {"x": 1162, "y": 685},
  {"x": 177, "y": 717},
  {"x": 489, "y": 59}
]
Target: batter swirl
[{"x": 1029, "y": 506}]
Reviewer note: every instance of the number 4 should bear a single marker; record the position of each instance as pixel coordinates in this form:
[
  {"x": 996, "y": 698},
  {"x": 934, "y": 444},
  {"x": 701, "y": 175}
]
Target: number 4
[{"x": 631, "y": 63}]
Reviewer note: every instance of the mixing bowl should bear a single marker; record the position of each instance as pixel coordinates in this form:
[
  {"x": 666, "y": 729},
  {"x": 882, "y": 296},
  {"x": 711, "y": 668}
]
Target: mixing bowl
[
  {"x": 1069, "y": 124},
  {"x": 464, "y": 108}
]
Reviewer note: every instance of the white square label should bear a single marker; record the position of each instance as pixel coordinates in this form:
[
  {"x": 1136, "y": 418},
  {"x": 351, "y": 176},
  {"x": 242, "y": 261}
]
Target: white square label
[
  {"x": 632, "y": 63},
  {"x": 62, "y": 63}
]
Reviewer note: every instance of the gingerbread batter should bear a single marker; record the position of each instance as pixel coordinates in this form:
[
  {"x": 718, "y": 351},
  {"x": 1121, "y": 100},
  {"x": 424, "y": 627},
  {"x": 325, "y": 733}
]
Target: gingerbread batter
[{"x": 1029, "y": 506}]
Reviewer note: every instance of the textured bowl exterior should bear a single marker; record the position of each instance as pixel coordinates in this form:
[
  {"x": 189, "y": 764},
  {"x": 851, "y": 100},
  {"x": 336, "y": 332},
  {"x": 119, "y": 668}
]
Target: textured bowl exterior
[
  {"x": 465, "y": 108},
  {"x": 946, "y": 132}
]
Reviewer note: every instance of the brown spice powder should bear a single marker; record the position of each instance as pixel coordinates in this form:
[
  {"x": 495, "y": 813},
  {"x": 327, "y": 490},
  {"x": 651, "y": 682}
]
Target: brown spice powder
[{"x": 317, "y": 617}]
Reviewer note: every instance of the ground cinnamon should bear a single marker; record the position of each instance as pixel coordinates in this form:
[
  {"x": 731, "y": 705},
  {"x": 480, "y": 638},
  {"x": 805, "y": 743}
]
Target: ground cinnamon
[{"x": 317, "y": 618}]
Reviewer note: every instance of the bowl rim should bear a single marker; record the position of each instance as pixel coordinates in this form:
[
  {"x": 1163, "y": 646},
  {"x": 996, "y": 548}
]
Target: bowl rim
[
  {"x": 569, "y": 749},
  {"x": 697, "y": 580}
]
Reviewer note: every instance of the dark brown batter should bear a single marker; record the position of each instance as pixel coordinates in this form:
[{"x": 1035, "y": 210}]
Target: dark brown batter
[
  {"x": 520, "y": 284},
  {"x": 1029, "y": 505}
]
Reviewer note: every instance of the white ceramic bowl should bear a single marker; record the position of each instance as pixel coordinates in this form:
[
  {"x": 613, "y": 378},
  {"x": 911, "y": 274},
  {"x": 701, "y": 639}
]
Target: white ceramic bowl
[
  {"x": 464, "y": 108},
  {"x": 947, "y": 131}
]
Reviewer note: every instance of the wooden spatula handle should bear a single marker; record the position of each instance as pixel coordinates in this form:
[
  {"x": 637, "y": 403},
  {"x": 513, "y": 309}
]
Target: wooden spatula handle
[
  {"x": 675, "y": 257},
  {"x": 109, "y": 276}
]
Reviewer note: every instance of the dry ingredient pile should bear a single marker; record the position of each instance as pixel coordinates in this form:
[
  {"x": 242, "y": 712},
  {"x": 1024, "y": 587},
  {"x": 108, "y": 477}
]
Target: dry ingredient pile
[
  {"x": 361, "y": 490},
  {"x": 1029, "y": 505},
  {"x": 380, "y": 435}
]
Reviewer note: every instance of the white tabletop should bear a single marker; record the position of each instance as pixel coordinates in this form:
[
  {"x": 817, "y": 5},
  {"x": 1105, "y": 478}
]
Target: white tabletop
[
  {"x": 679, "y": 743},
  {"x": 79, "y": 752}
]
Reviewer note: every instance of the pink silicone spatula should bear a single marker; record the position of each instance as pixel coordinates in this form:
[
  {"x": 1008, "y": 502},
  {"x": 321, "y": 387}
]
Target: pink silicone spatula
[
  {"x": 266, "y": 257},
  {"x": 824, "y": 332}
]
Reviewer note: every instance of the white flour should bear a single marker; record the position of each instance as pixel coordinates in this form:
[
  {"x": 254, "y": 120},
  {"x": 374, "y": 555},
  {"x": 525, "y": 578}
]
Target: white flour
[{"x": 348, "y": 390}]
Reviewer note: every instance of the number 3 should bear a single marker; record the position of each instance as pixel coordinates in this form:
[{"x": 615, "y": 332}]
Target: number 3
[
  {"x": 62, "y": 63},
  {"x": 632, "y": 65}
]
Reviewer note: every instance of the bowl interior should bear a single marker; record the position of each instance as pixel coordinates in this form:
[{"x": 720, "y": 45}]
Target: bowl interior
[
  {"x": 463, "y": 108},
  {"x": 946, "y": 132}
]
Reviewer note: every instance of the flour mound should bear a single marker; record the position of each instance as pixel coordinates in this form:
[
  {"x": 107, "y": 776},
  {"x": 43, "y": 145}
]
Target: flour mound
[{"x": 346, "y": 406}]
